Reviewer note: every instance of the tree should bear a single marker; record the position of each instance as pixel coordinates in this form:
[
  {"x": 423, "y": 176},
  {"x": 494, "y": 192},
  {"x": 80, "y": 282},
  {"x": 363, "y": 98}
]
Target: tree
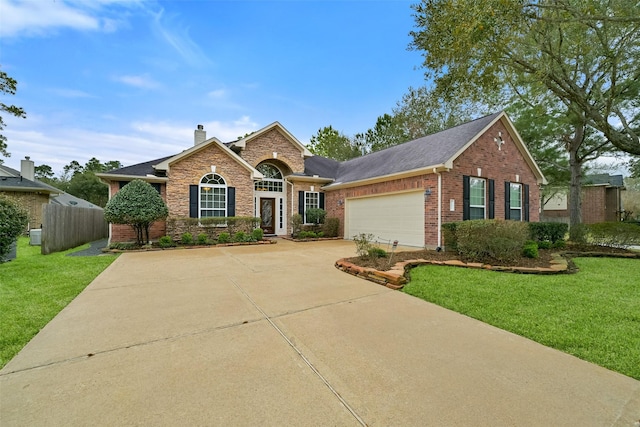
[
  {"x": 81, "y": 181},
  {"x": 44, "y": 173},
  {"x": 586, "y": 53},
  {"x": 388, "y": 131},
  {"x": 580, "y": 57},
  {"x": 139, "y": 205},
  {"x": 8, "y": 86},
  {"x": 330, "y": 143},
  {"x": 13, "y": 222}
]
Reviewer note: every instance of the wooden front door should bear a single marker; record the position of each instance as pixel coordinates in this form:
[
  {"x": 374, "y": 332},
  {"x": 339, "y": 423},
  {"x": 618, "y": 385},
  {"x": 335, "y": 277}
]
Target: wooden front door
[{"x": 268, "y": 215}]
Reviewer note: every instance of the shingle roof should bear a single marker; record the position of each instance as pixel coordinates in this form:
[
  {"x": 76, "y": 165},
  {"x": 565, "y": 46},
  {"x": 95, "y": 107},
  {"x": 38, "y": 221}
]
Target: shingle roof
[
  {"x": 321, "y": 166},
  {"x": 17, "y": 183},
  {"x": 140, "y": 169},
  {"x": 604, "y": 179},
  {"x": 431, "y": 150}
]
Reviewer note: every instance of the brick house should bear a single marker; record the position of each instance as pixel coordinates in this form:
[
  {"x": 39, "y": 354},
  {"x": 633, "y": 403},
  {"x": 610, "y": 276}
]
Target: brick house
[
  {"x": 480, "y": 169},
  {"x": 28, "y": 192},
  {"x": 601, "y": 200}
]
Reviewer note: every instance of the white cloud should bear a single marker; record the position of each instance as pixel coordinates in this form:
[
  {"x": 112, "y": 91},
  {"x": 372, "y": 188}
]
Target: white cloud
[
  {"x": 70, "y": 93},
  {"x": 217, "y": 94},
  {"x": 179, "y": 39},
  {"x": 55, "y": 145},
  {"x": 29, "y": 18},
  {"x": 139, "y": 81}
]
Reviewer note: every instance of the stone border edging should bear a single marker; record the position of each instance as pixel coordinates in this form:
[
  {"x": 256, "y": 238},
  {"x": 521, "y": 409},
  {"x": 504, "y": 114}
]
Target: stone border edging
[{"x": 396, "y": 277}]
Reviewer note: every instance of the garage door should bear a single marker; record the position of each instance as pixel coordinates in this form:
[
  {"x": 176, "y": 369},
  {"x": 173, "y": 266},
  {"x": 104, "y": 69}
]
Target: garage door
[{"x": 389, "y": 217}]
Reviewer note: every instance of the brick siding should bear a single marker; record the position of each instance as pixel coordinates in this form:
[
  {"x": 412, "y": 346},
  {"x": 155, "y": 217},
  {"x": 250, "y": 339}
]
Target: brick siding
[{"x": 32, "y": 203}]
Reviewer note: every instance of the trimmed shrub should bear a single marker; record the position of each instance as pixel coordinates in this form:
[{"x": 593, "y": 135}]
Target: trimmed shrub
[
  {"x": 545, "y": 244},
  {"x": 138, "y": 205},
  {"x": 13, "y": 222},
  {"x": 257, "y": 234},
  {"x": 202, "y": 238},
  {"x": 530, "y": 250},
  {"x": 186, "y": 239},
  {"x": 618, "y": 234},
  {"x": 123, "y": 246},
  {"x": 559, "y": 244},
  {"x": 224, "y": 237},
  {"x": 491, "y": 240},
  {"x": 548, "y": 231},
  {"x": 296, "y": 225},
  {"x": 315, "y": 215},
  {"x": 449, "y": 235},
  {"x": 307, "y": 235},
  {"x": 376, "y": 252},
  {"x": 166, "y": 242},
  {"x": 331, "y": 227},
  {"x": 241, "y": 236}
]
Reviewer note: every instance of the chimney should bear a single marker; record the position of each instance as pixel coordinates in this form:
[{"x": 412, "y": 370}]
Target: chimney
[
  {"x": 27, "y": 169},
  {"x": 199, "y": 135}
]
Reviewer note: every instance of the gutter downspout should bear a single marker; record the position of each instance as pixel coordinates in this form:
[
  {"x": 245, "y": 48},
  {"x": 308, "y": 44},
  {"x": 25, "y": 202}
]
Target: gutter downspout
[{"x": 439, "y": 209}]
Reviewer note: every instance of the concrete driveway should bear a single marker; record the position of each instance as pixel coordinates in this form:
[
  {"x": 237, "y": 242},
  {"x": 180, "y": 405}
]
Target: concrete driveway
[{"x": 275, "y": 335}]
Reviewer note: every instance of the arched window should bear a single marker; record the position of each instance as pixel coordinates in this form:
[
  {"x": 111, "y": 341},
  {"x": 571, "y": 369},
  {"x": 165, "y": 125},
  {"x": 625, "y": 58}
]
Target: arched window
[
  {"x": 272, "y": 178},
  {"x": 213, "y": 196}
]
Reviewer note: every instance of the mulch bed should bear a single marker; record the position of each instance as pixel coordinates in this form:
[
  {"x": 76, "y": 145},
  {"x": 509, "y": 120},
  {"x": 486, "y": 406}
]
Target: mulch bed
[{"x": 543, "y": 260}]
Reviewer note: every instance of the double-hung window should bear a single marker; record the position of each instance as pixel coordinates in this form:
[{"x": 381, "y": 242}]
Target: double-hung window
[
  {"x": 311, "y": 201},
  {"x": 515, "y": 201},
  {"x": 213, "y": 196},
  {"x": 477, "y": 198}
]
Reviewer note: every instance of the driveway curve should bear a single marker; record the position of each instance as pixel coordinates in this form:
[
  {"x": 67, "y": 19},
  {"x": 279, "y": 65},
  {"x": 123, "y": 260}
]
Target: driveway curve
[{"x": 275, "y": 335}]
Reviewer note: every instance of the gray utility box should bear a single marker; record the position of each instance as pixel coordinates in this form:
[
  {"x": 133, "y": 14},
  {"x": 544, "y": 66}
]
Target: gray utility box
[{"x": 35, "y": 237}]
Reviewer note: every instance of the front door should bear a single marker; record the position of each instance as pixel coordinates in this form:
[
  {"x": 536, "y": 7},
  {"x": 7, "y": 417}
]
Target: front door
[{"x": 268, "y": 215}]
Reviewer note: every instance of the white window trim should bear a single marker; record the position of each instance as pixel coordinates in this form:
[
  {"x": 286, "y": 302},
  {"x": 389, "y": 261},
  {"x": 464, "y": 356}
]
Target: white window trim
[
  {"x": 271, "y": 180},
  {"x": 484, "y": 197},
  {"x": 212, "y": 186},
  {"x": 511, "y": 208},
  {"x": 317, "y": 193}
]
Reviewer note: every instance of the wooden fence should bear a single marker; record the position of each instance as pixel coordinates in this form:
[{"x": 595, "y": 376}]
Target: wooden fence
[{"x": 65, "y": 227}]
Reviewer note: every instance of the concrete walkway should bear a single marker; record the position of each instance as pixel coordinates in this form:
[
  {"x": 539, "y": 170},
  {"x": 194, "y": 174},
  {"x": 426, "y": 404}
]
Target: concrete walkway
[{"x": 275, "y": 335}]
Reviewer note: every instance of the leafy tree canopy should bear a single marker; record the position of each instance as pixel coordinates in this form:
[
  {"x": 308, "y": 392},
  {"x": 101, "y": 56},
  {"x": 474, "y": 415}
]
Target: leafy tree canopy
[
  {"x": 139, "y": 205},
  {"x": 330, "y": 143},
  {"x": 586, "y": 53},
  {"x": 8, "y": 85}
]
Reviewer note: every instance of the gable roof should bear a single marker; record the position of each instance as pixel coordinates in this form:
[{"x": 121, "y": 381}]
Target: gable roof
[
  {"x": 166, "y": 164},
  {"x": 242, "y": 142},
  {"x": 427, "y": 154}
]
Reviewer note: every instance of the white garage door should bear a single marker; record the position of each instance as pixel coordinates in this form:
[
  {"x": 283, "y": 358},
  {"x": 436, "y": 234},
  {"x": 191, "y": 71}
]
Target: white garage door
[{"x": 389, "y": 217}]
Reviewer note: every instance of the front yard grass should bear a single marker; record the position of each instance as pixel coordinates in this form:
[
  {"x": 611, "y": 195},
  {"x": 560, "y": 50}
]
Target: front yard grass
[
  {"x": 34, "y": 288},
  {"x": 593, "y": 315}
]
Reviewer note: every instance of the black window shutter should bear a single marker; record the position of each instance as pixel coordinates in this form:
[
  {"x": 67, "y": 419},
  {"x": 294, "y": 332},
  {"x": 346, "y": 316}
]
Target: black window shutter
[
  {"x": 157, "y": 187},
  {"x": 507, "y": 200},
  {"x": 492, "y": 199},
  {"x": 122, "y": 184},
  {"x": 466, "y": 212},
  {"x": 525, "y": 202},
  {"x": 321, "y": 201},
  {"x": 231, "y": 201},
  {"x": 301, "y": 203},
  {"x": 193, "y": 201}
]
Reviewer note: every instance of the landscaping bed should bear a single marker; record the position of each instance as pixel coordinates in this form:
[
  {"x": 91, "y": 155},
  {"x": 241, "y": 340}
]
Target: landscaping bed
[{"x": 543, "y": 260}]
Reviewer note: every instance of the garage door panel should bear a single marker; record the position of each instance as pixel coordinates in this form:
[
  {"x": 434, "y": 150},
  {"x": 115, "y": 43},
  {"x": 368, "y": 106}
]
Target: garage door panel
[{"x": 388, "y": 217}]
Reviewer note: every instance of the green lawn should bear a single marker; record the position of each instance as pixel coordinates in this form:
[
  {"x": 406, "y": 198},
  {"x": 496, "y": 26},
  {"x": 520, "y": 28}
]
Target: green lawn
[
  {"x": 594, "y": 314},
  {"x": 35, "y": 287}
]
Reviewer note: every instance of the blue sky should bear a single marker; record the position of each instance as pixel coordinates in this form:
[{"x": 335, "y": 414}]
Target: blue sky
[{"x": 130, "y": 80}]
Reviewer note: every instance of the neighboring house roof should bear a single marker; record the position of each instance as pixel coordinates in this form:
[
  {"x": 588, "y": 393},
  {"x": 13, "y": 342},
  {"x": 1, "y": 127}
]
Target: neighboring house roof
[
  {"x": 604, "y": 179},
  {"x": 7, "y": 171},
  {"x": 18, "y": 183},
  {"x": 66, "y": 199},
  {"x": 432, "y": 152}
]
